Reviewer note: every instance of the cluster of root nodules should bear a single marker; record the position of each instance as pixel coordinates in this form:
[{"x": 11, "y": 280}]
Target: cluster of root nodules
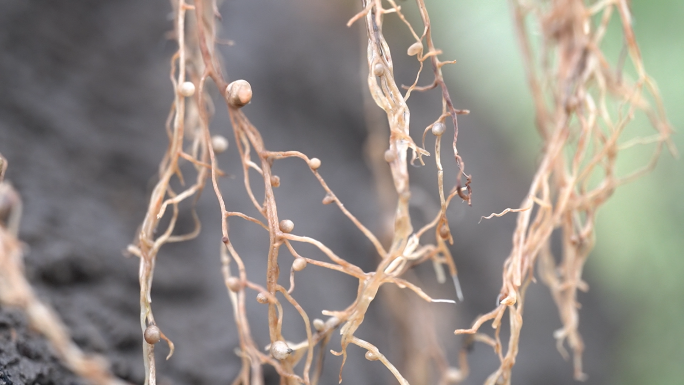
[
  {"x": 191, "y": 143},
  {"x": 584, "y": 102}
]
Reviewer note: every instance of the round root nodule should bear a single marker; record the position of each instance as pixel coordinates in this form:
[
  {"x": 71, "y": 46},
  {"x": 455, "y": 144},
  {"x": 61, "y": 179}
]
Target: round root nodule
[
  {"x": 444, "y": 232},
  {"x": 390, "y": 156},
  {"x": 275, "y": 180},
  {"x": 438, "y": 129},
  {"x": 328, "y": 199},
  {"x": 187, "y": 89},
  {"x": 378, "y": 69},
  {"x": 370, "y": 356},
  {"x": 152, "y": 334},
  {"x": 234, "y": 284},
  {"x": 453, "y": 376},
  {"x": 239, "y": 93},
  {"x": 299, "y": 264},
  {"x": 318, "y": 324},
  {"x": 280, "y": 350},
  {"x": 219, "y": 143},
  {"x": 314, "y": 163},
  {"x": 286, "y": 226}
]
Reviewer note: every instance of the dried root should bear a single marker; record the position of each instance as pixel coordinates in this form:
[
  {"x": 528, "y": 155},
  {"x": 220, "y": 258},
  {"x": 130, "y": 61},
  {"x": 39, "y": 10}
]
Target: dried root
[
  {"x": 196, "y": 61},
  {"x": 15, "y": 290},
  {"x": 583, "y": 105}
]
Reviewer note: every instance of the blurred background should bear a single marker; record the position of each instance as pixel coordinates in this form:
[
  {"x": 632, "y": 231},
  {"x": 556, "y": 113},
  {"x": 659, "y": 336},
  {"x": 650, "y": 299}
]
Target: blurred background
[{"x": 85, "y": 96}]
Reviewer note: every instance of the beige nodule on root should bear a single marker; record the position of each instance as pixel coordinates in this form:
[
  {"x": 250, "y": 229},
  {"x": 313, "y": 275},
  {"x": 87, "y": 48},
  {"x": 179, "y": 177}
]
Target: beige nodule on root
[
  {"x": 234, "y": 284},
  {"x": 390, "y": 156},
  {"x": 187, "y": 89},
  {"x": 438, "y": 129},
  {"x": 318, "y": 324},
  {"x": 280, "y": 350},
  {"x": 314, "y": 163},
  {"x": 378, "y": 69},
  {"x": 299, "y": 264},
  {"x": 286, "y": 226},
  {"x": 415, "y": 49},
  {"x": 239, "y": 93},
  {"x": 152, "y": 334},
  {"x": 328, "y": 199},
  {"x": 219, "y": 143},
  {"x": 261, "y": 298}
]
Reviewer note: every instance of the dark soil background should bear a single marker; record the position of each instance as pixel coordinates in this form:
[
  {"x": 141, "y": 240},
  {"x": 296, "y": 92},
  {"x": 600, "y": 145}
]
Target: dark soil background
[{"x": 85, "y": 93}]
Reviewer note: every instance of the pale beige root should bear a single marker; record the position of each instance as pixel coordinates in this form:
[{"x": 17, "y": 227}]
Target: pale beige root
[
  {"x": 197, "y": 60},
  {"x": 506, "y": 211},
  {"x": 405, "y": 246},
  {"x": 186, "y": 143},
  {"x": 419, "y": 341},
  {"x": 583, "y": 104},
  {"x": 16, "y": 291}
]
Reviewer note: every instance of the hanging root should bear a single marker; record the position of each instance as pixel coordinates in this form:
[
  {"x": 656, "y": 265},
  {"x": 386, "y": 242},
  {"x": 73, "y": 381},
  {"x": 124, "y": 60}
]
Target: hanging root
[
  {"x": 195, "y": 64},
  {"x": 583, "y": 105}
]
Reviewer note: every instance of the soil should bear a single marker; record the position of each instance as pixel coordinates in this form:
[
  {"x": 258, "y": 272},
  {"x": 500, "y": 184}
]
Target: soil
[
  {"x": 25, "y": 357},
  {"x": 82, "y": 111}
]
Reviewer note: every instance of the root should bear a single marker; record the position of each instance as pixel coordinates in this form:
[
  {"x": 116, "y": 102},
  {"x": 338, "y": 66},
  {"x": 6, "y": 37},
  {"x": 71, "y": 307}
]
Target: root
[
  {"x": 582, "y": 136},
  {"x": 15, "y": 290}
]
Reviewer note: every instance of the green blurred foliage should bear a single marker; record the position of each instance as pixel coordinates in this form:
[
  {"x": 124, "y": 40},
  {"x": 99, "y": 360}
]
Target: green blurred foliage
[{"x": 639, "y": 255}]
